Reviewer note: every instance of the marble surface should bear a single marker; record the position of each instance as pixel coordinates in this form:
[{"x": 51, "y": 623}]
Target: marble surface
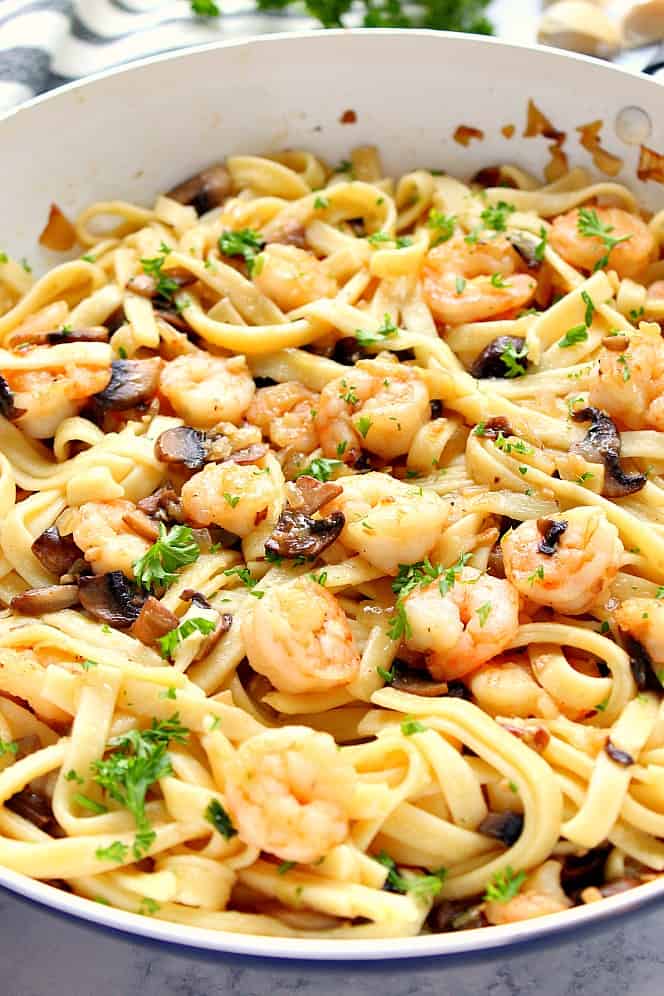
[{"x": 41, "y": 953}]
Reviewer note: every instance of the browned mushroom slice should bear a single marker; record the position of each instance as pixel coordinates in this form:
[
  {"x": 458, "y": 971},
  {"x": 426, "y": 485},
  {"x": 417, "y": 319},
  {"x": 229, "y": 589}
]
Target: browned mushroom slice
[
  {"x": 602, "y": 444},
  {"x": 50, "y": 598},
  {"x": 299, "y": 535},
  {"x": 154, "y": 620},
  {"x": 291, "y": 233},
  {"x": 308, "y": 494},
  {"x": 145, "y": 285},
  {"x": 182, "y": 446},
  {"x": 550, "y": 530},
  {"x": 416, "y": 681},
  {"x": 132, "y": 383},
  {"x": 95, "y": 333},
  {"x": 493, "y": 428},
  {"x": 195, "y": 597},
  {"x": 491, "y": 361},
  {"x": 224, "y": 623},
  {"x": 172, "y": 317},
  {"x": 56, "y": 553},
  {"x": 505, "y": 827},
  {"x": 205, "y": 190},
  {"x": 250, "y": 454},
  {"x": 112, "y": 598},
  {"x": 7, "y": 406},
  {"x": 32, "y": 806},
  {"x": 141, "y": 524},
  {"x": 527, "y": 246},
  {"x": 164, "y": 503}
]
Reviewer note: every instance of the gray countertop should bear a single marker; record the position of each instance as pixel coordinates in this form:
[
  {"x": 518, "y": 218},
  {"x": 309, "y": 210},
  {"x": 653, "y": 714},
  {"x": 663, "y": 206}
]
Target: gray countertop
[{"x": 42, "y": 953}]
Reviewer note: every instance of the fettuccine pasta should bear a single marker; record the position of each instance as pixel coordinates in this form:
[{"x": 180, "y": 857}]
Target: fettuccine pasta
[{"x": 332, "y": 551}]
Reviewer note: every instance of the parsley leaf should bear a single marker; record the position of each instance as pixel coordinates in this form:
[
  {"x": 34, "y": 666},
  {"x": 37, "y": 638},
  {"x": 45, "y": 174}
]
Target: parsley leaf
[
  {"x": 511, "y": 357},
  {"x": 504, "y": 885},
  {"x": 320, "y": 203},
  {"x": 139, "y": 759},
  {"x": 8, "y": 747},
  {"x": 420, "y": 886},
  {"x": 364, "y": 423},
  {"x": 497, "y": 280},
  {"x": 411, "y": 725},
  {"x": 495, "y": 216},
  {"x": 205, "y": 8},
  {"x": 442, "y": 224},
  {"x": 117, "y": 851},
  {"x": 245, "y": 242},
  {"x": 220, "y": 820},
  {"x": 590, "y": 226},
  {"x": 573, "y": 336},
  {"x": 174, "y": 549},
  {"x": 540, "y": 248},
  {"x": 387, "y": 329},
  {"x": 590, "y": 307},
  {"x": 483, "y": 613},
  {"x": 387, "y": 676},
  {"x": 165, "y": 286},
  {"x": 169, "y": 642},
  {"x": 321, "y": 468}
]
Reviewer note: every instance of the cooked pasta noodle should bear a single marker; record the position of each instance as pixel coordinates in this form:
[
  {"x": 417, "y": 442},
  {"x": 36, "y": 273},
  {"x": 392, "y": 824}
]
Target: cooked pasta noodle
[{"x": 331, "y": 544}]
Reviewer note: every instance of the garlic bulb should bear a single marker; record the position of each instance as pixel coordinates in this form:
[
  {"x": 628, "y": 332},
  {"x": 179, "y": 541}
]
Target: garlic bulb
[
  {"x": 579, "y": 26},
  {"x": 644, "y": 23}
]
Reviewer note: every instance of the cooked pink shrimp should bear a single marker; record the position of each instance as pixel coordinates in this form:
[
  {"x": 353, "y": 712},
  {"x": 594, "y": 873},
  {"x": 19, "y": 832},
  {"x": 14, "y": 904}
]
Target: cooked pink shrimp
[
  {"x": 205, "y": 390},
  {"x": 378, "y": 405},
  {"x": 292, "y": 277},
  {"x": 237, "y": 497},
  {"x": 643, "y": 618},
  {"x": 628, "y": 258},
  {"x": 52, "y": 383},
  {"x": 585, "y": 559},
  {"x": 471, "y": 283},
  {"x": 630, "y": 385},
  {"x": 388, "y": 521},
  {"x": 459, "y": 630},
  {"x": 541, "y": 894},
  {"x": 107, "y": 542},
  {"x": 285, "y": 413},
  {"x": 299, "y": 638},
  {"x": 289, "y": 793}
]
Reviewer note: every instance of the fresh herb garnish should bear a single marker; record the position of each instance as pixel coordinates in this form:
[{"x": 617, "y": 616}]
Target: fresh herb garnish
[
  {"x": 483, "y": 613},
  {"x": 205, "y": 8},
  {"x": 364, "y": 423},
  {"x": 460, "y": 285},
  {"x": 590, "y": 307},
  {"x": 368, "y": 338},
  {"x": 8, "y": 747},
  {"x": 511, "y": 358},
  {"x": 590, "y": 226},
  {"x": 245, "y": 242},
  {"x": 540, "y": 248},
  {"x": 411, "y": 725},
  {"x": 220, "y": 820},
  {"x": 169, "y": 642},
  {"x": 504, "y": 885},
  {"x": 387, "y": 676},
  {"x": 117, "y": 851},
  {"x": 321, "y": 468},
  {"x": 165, "y": 286},
  {"x": 442, "y": 224},
  {"x": 420, "y": 886},
  {"x": 497, "y": 280},
  {"x": 174, "y": 549},
  {"x": 495, "y": 215},
  {"x": 579, "y": 333}
]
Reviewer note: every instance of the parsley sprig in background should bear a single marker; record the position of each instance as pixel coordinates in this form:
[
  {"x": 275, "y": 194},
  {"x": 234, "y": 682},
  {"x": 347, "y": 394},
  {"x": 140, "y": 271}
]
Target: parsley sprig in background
[{"x": 442, "y": 15}]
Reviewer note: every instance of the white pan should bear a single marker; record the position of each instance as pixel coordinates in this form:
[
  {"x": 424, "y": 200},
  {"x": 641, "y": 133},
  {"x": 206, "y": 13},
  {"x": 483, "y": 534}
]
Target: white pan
[{"x": 134, "y": 132}]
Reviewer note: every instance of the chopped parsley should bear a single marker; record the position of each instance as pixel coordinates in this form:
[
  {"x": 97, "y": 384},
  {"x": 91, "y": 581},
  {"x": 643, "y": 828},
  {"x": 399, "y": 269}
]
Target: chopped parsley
[
  {"x": 73, "y": 776},
  {"x": 169, "y": 642},
  {"x": 378, "y": 238},
  {"x": 8, "y": 747},
  {"x": 245, "y": 242},
  {"x": 321, "y": 203},
  {"x": 497, "y": 280},
  {"x": 387, "y": 676},
  {"x": 89, "y": 258},
  {"x": 460, "y": 284},
  {"x": 495, "y": 216},
  {"x": 205, "y": 8},
  {"x": 321, "y": 468},
  {"x": 511, "y": 358},
  {"x": 504, "y": 885},
  {"x": 601, "y": 706},
  {"x": 483, "y": 613},
  {"x": 537, "y": 575},
  {"x": 502, "y": 443},
  {"x": 586, "y": 476},
  {"x": 231, "y": 500},
  {"x": 174, "y": 549},
  {"x": 411, "y": 725},
  {"x": 26, "y": 266},
  {"x": 368, "y": 338},
  {"x": 626, "y": 373},
  {"x": 590, "y": 226},
  {"x": 85, "y": 802},
  {"x": 320, "y": 579},
  {"x": 403, "y": 241},
  {"x": 117, "y": 851},
  {"x": 442, "y": 225},
  {"x": 150, "y": 906},
  {"x": 590, "y": 307},
  {"x": 139, "y": 758},
  {"x": 285, "y": 867},
  {"x": 364, "y": 423},
  {"x": 540, "y": 248},
  {"x": 220, "y": 820},
  {"x": 420, "y": 886},
  {"x": 573, "y": 336},
  {"x": 4, "y": 258},
  {"x": 411, "y": 576},
  {"x": 165, "y": 286}
]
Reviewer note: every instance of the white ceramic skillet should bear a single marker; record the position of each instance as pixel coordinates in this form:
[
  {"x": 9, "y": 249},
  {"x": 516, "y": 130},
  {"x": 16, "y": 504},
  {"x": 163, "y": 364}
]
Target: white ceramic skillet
[{"x": 137, "y": 131}]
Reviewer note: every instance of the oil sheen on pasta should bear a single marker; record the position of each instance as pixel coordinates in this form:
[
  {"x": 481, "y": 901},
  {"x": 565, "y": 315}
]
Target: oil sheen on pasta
[{"x": 331, "y": 550}]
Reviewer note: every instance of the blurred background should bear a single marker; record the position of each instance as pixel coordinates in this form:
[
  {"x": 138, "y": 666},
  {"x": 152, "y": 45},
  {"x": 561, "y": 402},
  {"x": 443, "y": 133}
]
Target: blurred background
[{"x": 45, "y": 43}]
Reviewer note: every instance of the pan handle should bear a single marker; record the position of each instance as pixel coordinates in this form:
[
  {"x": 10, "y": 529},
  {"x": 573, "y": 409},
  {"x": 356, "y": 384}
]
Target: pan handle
[{"x": 656, "y": 62}]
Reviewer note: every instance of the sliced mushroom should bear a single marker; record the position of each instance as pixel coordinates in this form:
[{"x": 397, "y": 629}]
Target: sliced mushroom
[
  {"x": 141, "y": 524},
  {"x": 527, "y": 245},
  {"x": 299, "y": 535},
  {"x": 493, "y": 428},
  {"x": 182, "y": 446},
  {"x": 56, "y": 553},
  {"x": 583, "y": 870},
  {"x": 291, "y": 233},
  {"x": 550, "y": 530},
  {"x": 602, "y": 444},
  {"x": 506, "y": 826},
  {"x": 347, "y": 351},
  {"x": 195, "y": 597},
  {"x": 456, "y": 914},
  {"x": 50, "y": 598},
  {"x": 173, "y": 318},
  {"x": 7, "y": 406},
  {"x": 205, "y": 190},
  {"x": 94, "y": 333},
  {"x": 619, "y": 756},
  {"x": 580, "y": 27},
  {"x": 308, "y": 494},
  {"x": 32, "y": 806},
  {"x": 164, "y": 503},
  {"x": 641, "y": 665},
  {"x": 112, "y": 598},
  {"x": 132, "y": 383},
  {"x": 223, "y": 625},
  {"x": 416, "y": 681},
  {"x": 436, "y": 408},
  {"x": 249, "y": 454},
  {"x": 154, "y": 620},
  {"x": 490, "y": 362}
]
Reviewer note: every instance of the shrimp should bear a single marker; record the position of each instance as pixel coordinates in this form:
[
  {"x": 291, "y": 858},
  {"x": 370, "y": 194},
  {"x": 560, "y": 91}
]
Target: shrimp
[
  {"x": 628, "y": 258},
  {"x": 379, "y": 405},
  {"x": 292, "y": 277},
  {"x": 237, "y": 497},
  {"x": 298, "y": 637},
  {"x": 542, "y": 893},
  {"x": 108, "y": 543},
  {"x": 643, "y": 618},
  {"x": 289, "y": 793},
  {"x": 387, "y": 521},
  {"x": 53, "y": 386},
  {"x": 205, "y": 390},
  {"x": 285, "y": 413},
  {"x": 471, "y": 283},
  {"x": 630, "y": 384},
  {"x": 458, "y": 631},
  {"x": 585, "y": 559}
]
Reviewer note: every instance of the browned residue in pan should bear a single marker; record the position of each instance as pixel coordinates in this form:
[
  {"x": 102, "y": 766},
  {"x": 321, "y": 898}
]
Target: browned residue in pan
[
  {"x": 348, "y": 117},
  {"x": 537, "y": 123},
  {"x": 603, "y": 160},
  {"x": 464, "y": 134},
  {"x": 651, "y": 165},
  {"x": 508, "y": 130}
]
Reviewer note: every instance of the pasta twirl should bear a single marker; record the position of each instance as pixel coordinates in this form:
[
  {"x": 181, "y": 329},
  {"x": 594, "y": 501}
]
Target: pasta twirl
[{"x": 332, "y": 552}]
